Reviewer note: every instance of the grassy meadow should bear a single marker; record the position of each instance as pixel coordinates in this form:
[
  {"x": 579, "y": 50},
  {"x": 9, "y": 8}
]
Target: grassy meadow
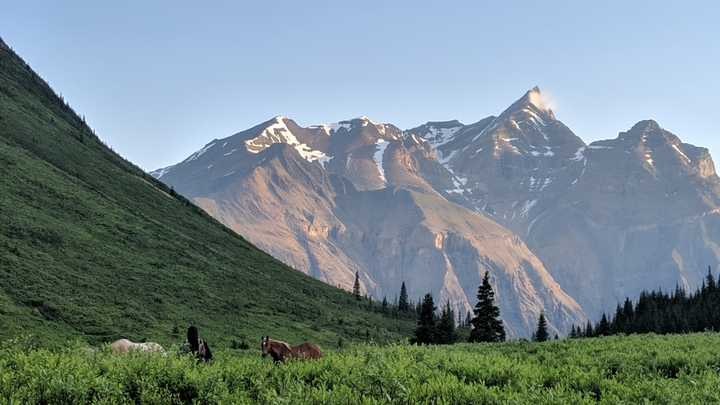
[{"x": 636, "y": 369}]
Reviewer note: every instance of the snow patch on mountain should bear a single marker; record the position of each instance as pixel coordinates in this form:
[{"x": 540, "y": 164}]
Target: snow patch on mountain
[
  {"x": 441, "y": 136},
  {"x": 493, "y": 124},
  {"x": 323, "y": 160},
  {"x": 579, "y": 155},
  {"x": 684, "y": 157},
  {"x": 459, "y": 182},
  {"x": 537, "y": 121},
  {"x": 527, "y": 207},
  {"x": 648, "y": 158},
  {"x": 199, "y": 153},
  {"x": 332, "y": 128},
  {"x": 380, "y": 145},
  {"x": 160, "y": 172},
  {"x": 278, "y": 132}
]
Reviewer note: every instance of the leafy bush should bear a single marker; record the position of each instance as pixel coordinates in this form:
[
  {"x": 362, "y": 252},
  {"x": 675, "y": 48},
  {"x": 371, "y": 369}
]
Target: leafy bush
[{"x": 609, "y": 370}]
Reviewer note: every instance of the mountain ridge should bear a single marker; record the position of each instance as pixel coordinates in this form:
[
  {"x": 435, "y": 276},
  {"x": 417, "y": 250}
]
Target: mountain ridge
[
  {"x": 528, "y": 172},
  {"x": 370, "y": 157}
]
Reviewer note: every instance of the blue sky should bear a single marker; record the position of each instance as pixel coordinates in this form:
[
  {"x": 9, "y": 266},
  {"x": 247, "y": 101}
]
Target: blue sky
[{"x": 158, "y": 80}]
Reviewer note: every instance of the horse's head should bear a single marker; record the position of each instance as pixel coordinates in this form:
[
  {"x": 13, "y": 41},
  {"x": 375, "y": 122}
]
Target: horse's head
[
  {"x": 265, "y": 346},
  {"x": 192, "y": 336}
]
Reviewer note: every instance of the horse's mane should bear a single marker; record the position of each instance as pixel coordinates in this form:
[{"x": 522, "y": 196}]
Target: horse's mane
[
  {"x": 279, "y": 349},
  {"x": 287, "y": 345}
]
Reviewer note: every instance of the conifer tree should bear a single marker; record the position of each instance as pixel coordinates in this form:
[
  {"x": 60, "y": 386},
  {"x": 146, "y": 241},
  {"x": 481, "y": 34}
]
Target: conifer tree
[
  {"x": 446, "y": 333},
  {"x": 356, "y": 286},
  {"x": 486, "y": 325},
  {"x": 541, "y": 334},
  {"x": 425, "y": 332},
  {"x": 403, "y": 304},
  {"x": 573, "y": 333},
  {"x": 628, "y": 312},
  {"x": 603, "y": 327},
  {"x": 710, "y": 280}
]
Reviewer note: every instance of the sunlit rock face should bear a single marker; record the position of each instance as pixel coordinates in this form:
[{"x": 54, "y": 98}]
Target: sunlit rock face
[{"x": 563, "y": 227}]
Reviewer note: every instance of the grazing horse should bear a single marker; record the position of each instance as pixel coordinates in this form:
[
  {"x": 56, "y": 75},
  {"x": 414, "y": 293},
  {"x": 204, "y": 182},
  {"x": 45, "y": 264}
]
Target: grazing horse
[
  {"x": 281, "y": 351},
  {"x": 198, "y": 347},
  {"x": 125, "y": 346}
]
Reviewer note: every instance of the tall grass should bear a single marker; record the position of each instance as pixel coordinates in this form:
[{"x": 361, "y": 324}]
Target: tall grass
[{"x": 680, "y": 369}]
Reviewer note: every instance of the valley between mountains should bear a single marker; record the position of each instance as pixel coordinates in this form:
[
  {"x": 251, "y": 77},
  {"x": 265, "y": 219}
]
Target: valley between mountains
[{"x": 563, "y": 227}]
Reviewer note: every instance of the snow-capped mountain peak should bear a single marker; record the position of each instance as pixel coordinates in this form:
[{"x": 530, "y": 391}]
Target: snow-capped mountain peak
[{"x": 278, "y": 132}]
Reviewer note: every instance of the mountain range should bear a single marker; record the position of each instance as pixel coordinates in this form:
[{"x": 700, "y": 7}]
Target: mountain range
[{"x": 564, "y": 228}]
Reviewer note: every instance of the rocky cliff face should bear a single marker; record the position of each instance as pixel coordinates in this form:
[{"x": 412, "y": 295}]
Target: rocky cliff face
[
  {"x": 644, "y": 215},
  {"x": 360, "y": 196},
  {"x": 556, "y": 222},
  {"x": 607, "y": 220}
]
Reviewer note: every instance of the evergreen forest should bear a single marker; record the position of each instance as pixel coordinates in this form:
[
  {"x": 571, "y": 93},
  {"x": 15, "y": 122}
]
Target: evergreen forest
[{"x": 661, "y": 312}]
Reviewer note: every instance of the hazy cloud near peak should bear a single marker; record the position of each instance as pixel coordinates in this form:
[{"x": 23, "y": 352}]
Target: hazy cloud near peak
[{"x": 544, "y": 100}]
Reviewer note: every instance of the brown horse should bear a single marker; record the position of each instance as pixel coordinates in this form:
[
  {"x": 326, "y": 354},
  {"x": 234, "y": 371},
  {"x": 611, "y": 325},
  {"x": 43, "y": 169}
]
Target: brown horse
[
  {"x": 125, "y": 346},
  {"x": 198, "y": 347},
  {"x": 281, "y": 351}
]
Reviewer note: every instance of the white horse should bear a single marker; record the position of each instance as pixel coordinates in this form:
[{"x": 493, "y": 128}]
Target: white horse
[{"x": 125, "y": 346}]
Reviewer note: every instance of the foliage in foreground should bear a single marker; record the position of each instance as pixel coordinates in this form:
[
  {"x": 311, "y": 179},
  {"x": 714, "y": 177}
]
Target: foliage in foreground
[{"x": 657, "y": 369}]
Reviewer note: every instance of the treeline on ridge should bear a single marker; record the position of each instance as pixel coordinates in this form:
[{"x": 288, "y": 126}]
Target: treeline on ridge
[{"x": 661, "y": 313}]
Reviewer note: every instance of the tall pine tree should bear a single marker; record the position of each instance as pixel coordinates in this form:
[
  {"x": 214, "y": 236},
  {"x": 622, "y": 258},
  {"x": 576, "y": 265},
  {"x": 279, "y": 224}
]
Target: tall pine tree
[
  {"x": 541, "y": 334},
  {"x": 425, "y": 332},
  {"x": 603, "y": 327},
  {"x": 486, "y": 325},
  {"x": 356, "y": 286},
  {"x": 445, "y": 332},
  {"x": 403, "y": 303}
]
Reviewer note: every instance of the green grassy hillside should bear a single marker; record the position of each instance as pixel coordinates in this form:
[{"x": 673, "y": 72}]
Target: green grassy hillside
[{"x": 93, "y": 247}]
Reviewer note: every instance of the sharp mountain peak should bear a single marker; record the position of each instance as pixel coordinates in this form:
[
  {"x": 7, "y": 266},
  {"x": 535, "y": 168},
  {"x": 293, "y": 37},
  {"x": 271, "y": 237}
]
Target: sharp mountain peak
[{"x": 532, "y": 100}]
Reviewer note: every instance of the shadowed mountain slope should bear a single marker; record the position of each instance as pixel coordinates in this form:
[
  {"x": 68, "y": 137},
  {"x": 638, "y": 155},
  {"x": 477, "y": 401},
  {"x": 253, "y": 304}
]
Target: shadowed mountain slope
[{"x": 608, "y": 220}]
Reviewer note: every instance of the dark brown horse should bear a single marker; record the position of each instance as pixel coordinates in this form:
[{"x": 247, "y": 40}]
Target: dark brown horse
[
  {"x": 198, "y": 347},
  {"x": 281, "y": 351}
]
